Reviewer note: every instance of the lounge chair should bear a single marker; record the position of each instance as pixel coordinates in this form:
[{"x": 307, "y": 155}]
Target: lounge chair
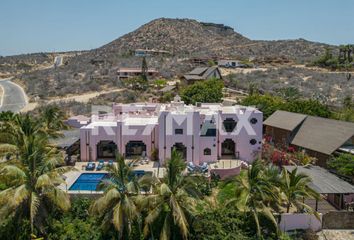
[
  {"x": 90, "y": 166},
  {"x": 100, "y": 165},
  {"x": 204, "y": 167},
  {"x": 139, "y": 173},
  {"x": 110, "y": 163},
  {"x": 191, "y": 167}
]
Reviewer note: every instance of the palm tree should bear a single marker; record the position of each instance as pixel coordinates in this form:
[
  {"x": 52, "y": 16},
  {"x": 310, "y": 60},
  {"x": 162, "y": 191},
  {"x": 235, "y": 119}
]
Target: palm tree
[
  {"x": 31, "y": 179},
  {"x": 172, "y": 203},
  {"x": 254, "y": 192},
  {"x": 15, "y": 131},
  {"x": 31, "y": 176},
  {"x": 7, "y": 116},
  {"x": 117, "y": 205},
  {"x": 52, "y": 119},
  {"x": 14, "y": 128},
  {"x": 294, "y": 187}
]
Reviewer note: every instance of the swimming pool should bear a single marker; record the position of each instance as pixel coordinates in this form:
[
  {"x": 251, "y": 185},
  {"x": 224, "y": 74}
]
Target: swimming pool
[{"x": 90, "y": 181}]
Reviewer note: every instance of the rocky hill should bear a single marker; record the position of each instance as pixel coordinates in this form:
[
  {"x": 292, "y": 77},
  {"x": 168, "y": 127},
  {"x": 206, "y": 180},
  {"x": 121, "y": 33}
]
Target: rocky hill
[
  {"x": 186, "y": 37},
  {"x": 183, "y": 39},
  {"x": 180, "y": 37}
]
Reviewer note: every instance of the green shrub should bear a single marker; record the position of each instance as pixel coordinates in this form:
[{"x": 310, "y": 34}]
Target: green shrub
[
  {"x": 344, "y": 164},
  {"x": 208, "y": 91}
]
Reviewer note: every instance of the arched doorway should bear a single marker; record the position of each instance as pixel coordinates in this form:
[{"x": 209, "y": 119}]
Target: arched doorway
[
  {"x": 181, "y": 149},
  {"x": 106, "y": 149},
  {"x": 228, "y": 148},
  {"x": 135, "y": 148}
]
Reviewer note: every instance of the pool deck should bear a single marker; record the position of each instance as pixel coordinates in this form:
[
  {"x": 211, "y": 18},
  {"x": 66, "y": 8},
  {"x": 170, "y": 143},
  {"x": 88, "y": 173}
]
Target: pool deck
[
  {"x": 79, "y": 168},
  {"x": 224, "y": 168},
  {"x": 226, "y": 164}
]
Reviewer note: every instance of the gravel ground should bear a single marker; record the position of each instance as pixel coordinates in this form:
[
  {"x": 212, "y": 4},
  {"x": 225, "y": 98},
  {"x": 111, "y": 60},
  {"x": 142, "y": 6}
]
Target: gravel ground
[{"x": 336, "y": 234}]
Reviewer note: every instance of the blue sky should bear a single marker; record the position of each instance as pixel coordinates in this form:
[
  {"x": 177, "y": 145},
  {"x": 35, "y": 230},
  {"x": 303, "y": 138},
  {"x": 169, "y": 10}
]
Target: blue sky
[{"x": 59, "y": 25}]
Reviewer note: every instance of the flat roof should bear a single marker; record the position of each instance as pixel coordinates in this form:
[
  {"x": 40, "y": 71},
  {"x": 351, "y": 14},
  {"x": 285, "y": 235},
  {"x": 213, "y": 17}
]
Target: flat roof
[
  {"x": 323, "y": 181},
  {"x": 69, "y": 138},
  {"x": 135, "y": 70},
  {"x": 140, "y": 121},
  {"x": 101, "y": 124}
]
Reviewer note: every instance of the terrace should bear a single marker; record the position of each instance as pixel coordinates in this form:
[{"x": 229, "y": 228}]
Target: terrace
[
  {"x": 83, "y": 181},
  {"x": 91, "y": 178},
  {"x": 227, "y": 167}
]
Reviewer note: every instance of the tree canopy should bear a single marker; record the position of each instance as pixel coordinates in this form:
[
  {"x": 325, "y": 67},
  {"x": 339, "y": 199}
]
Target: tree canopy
[
  {"x": 268, "y": 104},
  {"x": 208, "y": 91},
  {"x": 344, "y": 164}
]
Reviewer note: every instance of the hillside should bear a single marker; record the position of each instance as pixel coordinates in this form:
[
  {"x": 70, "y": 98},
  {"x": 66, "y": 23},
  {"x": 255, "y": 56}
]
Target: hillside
[
  {"x": 182, "y": 38},
  {"x": 186, "y": 37},
  {"x": 22, "y": 63}
]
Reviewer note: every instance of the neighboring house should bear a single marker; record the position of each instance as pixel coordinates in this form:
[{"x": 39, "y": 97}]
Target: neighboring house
[
  {"x": 282, "y": 126},
  {"x": 229, "y": 63},
  {"x": 203, "y": 133},
  {"x": 322, "y": 137},
  {"x": 78, "y": 121},
  {"x": 135, "y": 72},
  {"x": 335, "y": 190},
  {"x": 318, "y": 137},
  {"x": 69, "y": 143},
  {"x": 150, "y": 52},
  {"x": 202, "y": 73}
]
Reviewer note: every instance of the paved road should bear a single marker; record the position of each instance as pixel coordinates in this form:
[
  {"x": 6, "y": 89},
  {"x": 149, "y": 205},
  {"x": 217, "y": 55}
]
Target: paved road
[{"x": 14, "y": 98}]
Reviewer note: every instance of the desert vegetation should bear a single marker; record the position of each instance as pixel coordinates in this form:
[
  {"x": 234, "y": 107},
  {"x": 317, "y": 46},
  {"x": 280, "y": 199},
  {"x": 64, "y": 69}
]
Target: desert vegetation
[
  {"x": 341, "y": 60},
  {"x": 327, "y": 87},
  {"x": 268, "y": 104}
]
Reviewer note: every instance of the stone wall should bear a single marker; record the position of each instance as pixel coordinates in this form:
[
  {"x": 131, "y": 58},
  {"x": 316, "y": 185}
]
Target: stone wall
[
  {"x": 293, "y": 221},
  {"x": 338, "y": 220}
]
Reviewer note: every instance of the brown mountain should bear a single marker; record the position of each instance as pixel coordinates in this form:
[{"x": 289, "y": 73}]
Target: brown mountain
[
  {"x": 182, "y": 38},
  {"x": 193, "y": 38}
]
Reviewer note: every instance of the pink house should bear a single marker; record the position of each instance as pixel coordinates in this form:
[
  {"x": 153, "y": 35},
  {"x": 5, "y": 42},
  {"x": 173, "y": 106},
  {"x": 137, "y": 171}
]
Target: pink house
[{"x": 202, "y": 133}]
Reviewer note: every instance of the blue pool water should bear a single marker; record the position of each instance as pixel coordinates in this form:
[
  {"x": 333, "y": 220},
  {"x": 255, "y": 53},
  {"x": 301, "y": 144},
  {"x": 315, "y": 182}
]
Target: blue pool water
[{"x": 90, "y": 181}]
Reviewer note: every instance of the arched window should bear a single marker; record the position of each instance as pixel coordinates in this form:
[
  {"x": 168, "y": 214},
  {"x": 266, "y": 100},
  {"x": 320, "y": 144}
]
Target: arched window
[
  {"x": 229, "y": 124},
  {"x": 135, "y": 148},
  {"x": 207, "y": 151},
  {"x": 179, "y": 147},
  {"x": 106, "y": 149}
]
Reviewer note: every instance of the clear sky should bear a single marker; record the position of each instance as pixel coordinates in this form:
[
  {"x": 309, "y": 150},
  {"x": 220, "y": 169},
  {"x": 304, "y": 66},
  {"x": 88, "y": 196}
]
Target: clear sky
[{"x": 59, "y": 25}]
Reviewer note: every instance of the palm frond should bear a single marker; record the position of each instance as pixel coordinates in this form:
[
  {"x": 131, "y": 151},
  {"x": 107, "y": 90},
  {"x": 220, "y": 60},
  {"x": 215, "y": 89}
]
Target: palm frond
[
  {"x": 13, "y": 175},
  {"x": 34, "y": 204},
  {"x": 118, "y": 216},
  {"x": 166, "y": 229},
  {"x": 179, "y": 217},
  {"x": 59, "y": 198}
]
